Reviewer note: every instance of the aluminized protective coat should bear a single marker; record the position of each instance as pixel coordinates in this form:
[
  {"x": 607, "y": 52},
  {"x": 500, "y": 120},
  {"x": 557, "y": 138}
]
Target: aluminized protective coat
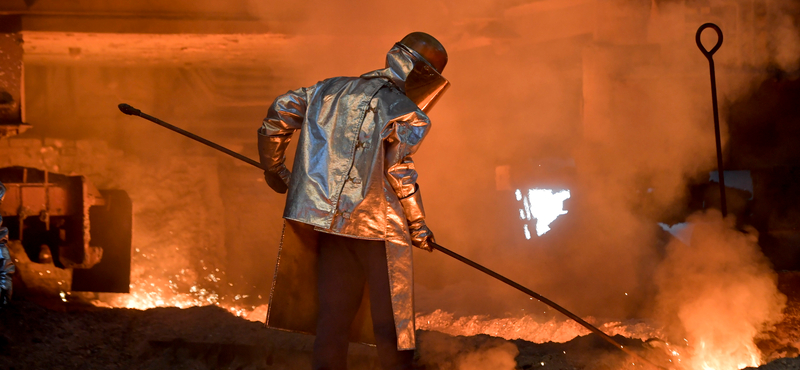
[{"x": 352, "y": 168}]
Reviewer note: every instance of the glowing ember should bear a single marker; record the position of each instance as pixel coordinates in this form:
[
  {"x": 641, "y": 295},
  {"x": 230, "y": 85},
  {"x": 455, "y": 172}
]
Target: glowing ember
[
  {"x": 727, "y": 352},
  {"x": 143, "y": 300},
  {"x": 544, "y": 205},
  {"x": 180, "y": 290},
  {"x": 528, "y": 328},
  {"x": 746, "y": 355}
]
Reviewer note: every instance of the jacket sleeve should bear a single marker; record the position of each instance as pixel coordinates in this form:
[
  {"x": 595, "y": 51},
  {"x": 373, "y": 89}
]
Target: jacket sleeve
[
  {"x": 285, "y": 115},
  {"x": 405, "y": 137}
]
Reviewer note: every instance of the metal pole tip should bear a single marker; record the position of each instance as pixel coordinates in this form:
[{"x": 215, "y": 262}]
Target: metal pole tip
[{"x": 127, "y": 109}]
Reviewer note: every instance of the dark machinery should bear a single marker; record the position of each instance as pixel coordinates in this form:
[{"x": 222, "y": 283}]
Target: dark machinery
[{"x": 65, "y": 234}]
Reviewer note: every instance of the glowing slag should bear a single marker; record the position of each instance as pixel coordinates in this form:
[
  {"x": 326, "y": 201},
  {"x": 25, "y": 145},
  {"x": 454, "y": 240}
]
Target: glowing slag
[{"x": 544, "y": 205}]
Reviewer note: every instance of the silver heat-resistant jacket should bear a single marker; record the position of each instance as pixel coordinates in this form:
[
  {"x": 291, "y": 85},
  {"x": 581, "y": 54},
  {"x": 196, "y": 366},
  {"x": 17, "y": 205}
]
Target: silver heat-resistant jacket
[{"x": 352, "y": 175}]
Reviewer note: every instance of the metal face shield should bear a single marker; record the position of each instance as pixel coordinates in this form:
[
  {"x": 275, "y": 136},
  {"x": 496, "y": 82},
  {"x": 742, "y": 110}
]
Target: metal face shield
[{"x": 424, "y": 85}]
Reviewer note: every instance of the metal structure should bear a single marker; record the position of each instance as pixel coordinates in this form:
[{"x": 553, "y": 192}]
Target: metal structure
[
  {"x": 62, "y": 229},
  {"x": 12, "y": 87},
  {"x": 709, "y": 54}
]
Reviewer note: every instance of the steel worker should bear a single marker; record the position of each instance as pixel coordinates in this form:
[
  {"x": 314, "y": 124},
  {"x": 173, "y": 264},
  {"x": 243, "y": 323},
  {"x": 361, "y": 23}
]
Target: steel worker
[{"x": 353, "y": 208}]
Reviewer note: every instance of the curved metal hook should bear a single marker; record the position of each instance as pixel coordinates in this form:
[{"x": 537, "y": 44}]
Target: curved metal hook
[{"x": 700, "y": 30}]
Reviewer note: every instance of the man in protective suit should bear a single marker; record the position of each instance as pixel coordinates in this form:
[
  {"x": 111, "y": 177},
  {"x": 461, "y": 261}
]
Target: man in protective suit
[{"x": 353, "y": 209}]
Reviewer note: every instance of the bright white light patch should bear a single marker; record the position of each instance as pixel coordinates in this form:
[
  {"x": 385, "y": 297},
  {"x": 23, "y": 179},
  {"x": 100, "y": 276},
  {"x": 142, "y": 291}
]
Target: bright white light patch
[{"x": 544, "y": 205}]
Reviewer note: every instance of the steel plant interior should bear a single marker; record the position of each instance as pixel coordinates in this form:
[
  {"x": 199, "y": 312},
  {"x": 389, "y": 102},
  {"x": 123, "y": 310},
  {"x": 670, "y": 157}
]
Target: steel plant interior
[{"x": 608, "y": 99}]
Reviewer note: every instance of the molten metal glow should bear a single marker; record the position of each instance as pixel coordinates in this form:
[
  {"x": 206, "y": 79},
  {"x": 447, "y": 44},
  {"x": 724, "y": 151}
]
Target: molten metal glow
[
  {"x": 528, "y": 327},
  {"x": 725, "y": 354},
  {"x": 544, "y": 205},
  {"x": 179, "y": 291},
  {"x": 144, "y": 300},
  {"x": 720, "y": 356},
  {"x": 706, "y": 348}
]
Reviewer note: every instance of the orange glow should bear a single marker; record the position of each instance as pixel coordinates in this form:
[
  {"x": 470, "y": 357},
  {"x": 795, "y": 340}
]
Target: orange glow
[
  {"x": 707, "y": 353},
  {"x": 616, "y": 86},
  {"x": 721, "y": 358},
  {"x": 718, "y": 291},
  {"x": 143, "y": 300},
  {"x": 156, "y": 292},
  {"x": 702, "y": 352},
  {"x": 529, "y": 328}
]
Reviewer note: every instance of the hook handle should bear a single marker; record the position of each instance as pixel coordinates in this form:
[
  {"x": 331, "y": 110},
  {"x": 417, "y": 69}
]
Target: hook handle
[{"x": 703, "y": 49}]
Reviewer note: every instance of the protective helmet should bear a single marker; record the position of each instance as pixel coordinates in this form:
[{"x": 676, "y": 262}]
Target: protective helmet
[
  {"x": 424, "y": 84},
  {"x": 428, "y": 47}
]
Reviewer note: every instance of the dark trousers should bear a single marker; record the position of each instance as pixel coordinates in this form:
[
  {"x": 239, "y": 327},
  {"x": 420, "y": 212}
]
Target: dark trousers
[{"x": 345, "y": 265}]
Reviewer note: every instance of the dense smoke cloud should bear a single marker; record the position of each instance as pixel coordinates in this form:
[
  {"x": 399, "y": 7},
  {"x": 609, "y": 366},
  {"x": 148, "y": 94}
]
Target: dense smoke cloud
[{"x": 717, "y": 292}]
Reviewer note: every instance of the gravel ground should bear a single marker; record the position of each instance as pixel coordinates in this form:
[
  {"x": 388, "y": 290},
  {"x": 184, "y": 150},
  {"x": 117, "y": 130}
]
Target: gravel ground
[{"x": 57, "y": 335}]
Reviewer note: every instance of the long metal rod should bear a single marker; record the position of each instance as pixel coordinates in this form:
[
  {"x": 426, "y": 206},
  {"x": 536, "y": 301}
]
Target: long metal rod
[
  {"x": 544, "y": 300},
  {"x": 710, "y": 56},
  {"x": 129, "y": 110}
]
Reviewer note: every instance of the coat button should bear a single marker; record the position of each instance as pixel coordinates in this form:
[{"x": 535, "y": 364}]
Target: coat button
[{"x": 362, "y": 144}]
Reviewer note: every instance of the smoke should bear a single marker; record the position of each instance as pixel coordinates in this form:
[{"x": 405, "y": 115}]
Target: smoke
[
  {"x": 500, "y": 357},
  {"x": 443, "y": 352},
  {"x": 607, "y": 98},
  {"x": 717, "y": 293},
  {"x": 626, "y": 96},
  {"x": 610, "y": 99}
]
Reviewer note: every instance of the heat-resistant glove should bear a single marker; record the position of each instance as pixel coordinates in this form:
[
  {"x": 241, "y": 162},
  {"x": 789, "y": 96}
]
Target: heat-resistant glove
[
  {"x": 271, "y": 151},
  {"x": 278, "y": 180},
  {"x": 421, "y": 235}
]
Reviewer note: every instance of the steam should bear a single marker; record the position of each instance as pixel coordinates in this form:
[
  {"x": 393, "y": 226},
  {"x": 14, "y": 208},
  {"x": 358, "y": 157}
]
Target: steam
[
  {"x": 500, "y": 357},
  {"x": 616, "y": 88},
  {"x": 458, "y": 353},
  {"x": 717, "y": 293},
  {"x": 626, "y": 96}
]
